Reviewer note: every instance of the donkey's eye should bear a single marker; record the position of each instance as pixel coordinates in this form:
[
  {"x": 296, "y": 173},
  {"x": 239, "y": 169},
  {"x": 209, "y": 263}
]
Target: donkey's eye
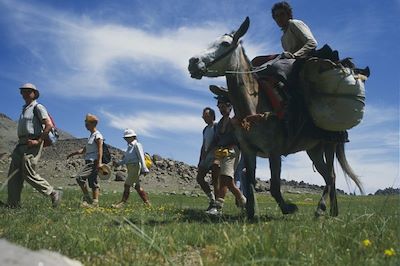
[{"x": 225, "y": 43}]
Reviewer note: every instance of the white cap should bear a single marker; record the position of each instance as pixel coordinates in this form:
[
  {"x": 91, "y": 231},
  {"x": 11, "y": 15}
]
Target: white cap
[{"x": 129, "y": 133}]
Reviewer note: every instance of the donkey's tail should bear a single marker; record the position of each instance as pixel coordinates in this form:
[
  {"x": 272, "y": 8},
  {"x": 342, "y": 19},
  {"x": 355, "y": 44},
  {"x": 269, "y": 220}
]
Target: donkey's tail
[{"x": 348, "y": 171}]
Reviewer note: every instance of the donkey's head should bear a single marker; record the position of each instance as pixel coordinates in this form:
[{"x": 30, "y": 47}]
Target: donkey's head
[{"x": 215, "y": 60}]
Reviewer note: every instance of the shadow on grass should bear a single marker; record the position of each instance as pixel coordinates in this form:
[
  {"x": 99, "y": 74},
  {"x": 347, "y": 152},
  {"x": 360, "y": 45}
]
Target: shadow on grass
[{"x": 198, "y": 216}]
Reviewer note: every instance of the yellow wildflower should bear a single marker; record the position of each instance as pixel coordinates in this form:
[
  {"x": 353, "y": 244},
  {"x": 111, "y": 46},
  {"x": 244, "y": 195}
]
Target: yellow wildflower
[
  {"x": 366, "y": 243},
  {"x": 389, "y": 252}
]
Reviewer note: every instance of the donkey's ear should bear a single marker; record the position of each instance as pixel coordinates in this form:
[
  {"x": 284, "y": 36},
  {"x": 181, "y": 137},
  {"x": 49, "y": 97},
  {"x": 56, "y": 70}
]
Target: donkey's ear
[{"x": 242, "y": 30}]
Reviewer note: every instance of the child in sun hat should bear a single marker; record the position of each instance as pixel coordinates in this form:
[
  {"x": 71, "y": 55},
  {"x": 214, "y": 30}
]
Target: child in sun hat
[{"x": 135, "y": 162}]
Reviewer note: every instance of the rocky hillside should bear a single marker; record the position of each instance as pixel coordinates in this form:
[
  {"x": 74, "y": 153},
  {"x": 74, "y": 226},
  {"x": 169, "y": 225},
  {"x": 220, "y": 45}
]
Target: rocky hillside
[
  {"x": 166, "y": 175},
  {"x": 8, "y": 134},
  {"x": 8, "y": 130}
]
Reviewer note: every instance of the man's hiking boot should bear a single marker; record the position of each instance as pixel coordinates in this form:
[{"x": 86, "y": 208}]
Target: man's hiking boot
[{"x": 56, "y": 198}]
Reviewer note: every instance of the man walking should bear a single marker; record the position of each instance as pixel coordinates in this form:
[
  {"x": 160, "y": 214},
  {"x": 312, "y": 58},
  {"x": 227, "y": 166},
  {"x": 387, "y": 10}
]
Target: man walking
[
  {"x": 226, "y": 157},
  {"x": 206, "y": 162},
  {"x": 34, "y": 126}
]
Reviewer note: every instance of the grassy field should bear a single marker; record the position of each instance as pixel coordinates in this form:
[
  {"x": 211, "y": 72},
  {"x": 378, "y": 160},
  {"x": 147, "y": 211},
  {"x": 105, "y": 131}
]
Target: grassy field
[{"x": 175, "y": 231}]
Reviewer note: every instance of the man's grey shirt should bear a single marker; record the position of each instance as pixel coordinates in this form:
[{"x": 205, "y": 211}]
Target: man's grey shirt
[{"x": 28, "y": 124}]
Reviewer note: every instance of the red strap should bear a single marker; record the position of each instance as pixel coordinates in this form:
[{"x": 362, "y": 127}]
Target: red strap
[{"x": 274, "y": 98}]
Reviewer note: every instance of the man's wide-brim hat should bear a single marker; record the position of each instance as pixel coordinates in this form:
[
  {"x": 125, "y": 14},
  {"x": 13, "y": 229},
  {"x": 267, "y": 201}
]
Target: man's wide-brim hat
[
  {"x": 221, "y": 94},
  {"x": 104, "y": 172},
  {"x": 32, "y": 87}
]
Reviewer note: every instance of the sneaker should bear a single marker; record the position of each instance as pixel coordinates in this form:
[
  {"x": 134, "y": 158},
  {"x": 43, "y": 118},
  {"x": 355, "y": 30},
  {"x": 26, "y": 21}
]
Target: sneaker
[
  {"x": 95, "y": 203},
  {"x": 211, "y": 205},
  {"x": 241, "y": 203},
  {"x": 56, "y": 198},
  {"x": 118, "y": 205},
  {"x": 87, "y": 198},
  {"x": 214, "y": 211},
  {"x": 87, "y": 205}
]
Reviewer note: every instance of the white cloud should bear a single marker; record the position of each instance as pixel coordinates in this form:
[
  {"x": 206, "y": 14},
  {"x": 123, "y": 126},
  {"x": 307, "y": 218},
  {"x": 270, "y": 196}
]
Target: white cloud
[
  {"x": 152, "y": 124},
  {"x": 83, "y": 55}
]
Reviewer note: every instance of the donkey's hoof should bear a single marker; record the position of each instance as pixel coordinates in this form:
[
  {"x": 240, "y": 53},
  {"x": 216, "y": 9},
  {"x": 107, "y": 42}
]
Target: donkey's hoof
[
  {"x": 289, "y": 208},
  {"x": 319, "y": 212},
  {"x": 334, "y": 212}
]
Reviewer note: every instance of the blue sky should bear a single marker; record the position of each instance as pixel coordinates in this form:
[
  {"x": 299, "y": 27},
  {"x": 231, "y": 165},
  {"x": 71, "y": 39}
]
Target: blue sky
[{"x": 126, "y": 61}]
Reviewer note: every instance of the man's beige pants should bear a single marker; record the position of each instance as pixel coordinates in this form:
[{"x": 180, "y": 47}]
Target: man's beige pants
[{"x": 22, "y": 167}]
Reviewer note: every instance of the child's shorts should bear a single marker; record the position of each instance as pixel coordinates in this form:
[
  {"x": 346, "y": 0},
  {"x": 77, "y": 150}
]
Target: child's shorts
[
  {"x": 133, "y": 174},
  {"x": 88, "y": 172}
]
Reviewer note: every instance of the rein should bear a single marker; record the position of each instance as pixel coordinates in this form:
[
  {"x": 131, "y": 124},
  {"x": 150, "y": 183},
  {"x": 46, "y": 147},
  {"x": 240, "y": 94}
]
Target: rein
[
  {"x": 259, "y": 69},
  {"x": 222, "y": 56}
]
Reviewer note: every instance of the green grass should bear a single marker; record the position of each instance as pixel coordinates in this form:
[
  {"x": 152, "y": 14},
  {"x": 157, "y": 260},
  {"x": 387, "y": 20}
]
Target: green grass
[{"x": 175, "y": 231}]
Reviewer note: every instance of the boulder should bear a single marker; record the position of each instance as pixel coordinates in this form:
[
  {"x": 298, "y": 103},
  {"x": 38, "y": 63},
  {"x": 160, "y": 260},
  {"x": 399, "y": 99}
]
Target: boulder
[{"x": 12, "y": 254}]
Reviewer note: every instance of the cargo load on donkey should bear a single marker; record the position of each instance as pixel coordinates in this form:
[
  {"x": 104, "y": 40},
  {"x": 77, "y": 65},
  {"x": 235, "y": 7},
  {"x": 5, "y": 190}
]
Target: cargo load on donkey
[{"x": 334, "y": 93}]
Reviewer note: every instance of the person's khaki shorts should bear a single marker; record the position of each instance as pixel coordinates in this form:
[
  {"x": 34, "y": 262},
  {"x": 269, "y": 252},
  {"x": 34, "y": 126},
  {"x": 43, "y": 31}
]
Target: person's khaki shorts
[{"x": 229, "y": 163}]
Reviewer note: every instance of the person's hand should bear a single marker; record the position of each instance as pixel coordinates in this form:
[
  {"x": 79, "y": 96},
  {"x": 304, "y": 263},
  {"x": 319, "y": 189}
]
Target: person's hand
[
  {"x": 251, "y": 119},
  {"x": 99, "y": 165},
  {"x": 144, "y": 172},
  {"x": 287, "y": 55},
  {"x": 33, "y": 142}
]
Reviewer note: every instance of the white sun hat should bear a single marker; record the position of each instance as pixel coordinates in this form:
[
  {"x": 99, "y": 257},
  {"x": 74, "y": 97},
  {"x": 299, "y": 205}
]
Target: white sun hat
[
  {"x": 32, "y": 87},
  {"x": 129, "y": 133},
  {"x": 104, "y": 172}
]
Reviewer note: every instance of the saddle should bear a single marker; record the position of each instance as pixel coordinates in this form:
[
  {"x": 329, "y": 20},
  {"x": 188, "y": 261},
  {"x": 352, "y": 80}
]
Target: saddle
[{"x": 274, "y": 75}]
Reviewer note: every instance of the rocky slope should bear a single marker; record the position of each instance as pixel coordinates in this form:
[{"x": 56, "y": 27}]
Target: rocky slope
[{"x": 166, "y": 175}]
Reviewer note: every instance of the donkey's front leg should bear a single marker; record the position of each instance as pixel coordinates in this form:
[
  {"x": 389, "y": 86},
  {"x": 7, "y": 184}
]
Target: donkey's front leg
[
  {"x": 275, "y": 167},
  {"x": 248, "y": 183}
]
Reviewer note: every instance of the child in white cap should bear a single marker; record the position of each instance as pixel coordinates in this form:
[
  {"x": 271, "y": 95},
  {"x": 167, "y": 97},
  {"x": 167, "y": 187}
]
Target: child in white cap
[{"x": 135, "y": 162}]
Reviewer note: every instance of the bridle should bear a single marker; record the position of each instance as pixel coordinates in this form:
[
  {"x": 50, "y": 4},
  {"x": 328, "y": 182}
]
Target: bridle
[
  {"x": 223, "y": 55},
  {"x": 226, "y": 53}
]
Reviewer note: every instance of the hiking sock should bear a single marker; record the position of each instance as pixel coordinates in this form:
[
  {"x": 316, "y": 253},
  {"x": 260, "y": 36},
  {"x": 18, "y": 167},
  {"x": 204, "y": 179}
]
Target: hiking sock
[
  {"x": 95, "y": 202},
  {"x": 143, "y": 196},
  {"x": 219, "y": 203},
  {"x": 211, "y": 196}
]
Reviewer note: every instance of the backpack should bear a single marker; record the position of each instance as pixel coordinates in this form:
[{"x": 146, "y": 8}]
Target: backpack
[
  {"x": 106, "y": 158},
  {"x": 147, "y": 160},
  {"x": 53, "y": 135}
]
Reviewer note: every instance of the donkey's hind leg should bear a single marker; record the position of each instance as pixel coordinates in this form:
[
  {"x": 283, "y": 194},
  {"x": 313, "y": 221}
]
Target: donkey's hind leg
[
  {"x": 316, "y": 155},
  {"x": 330, "y": 150}
]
